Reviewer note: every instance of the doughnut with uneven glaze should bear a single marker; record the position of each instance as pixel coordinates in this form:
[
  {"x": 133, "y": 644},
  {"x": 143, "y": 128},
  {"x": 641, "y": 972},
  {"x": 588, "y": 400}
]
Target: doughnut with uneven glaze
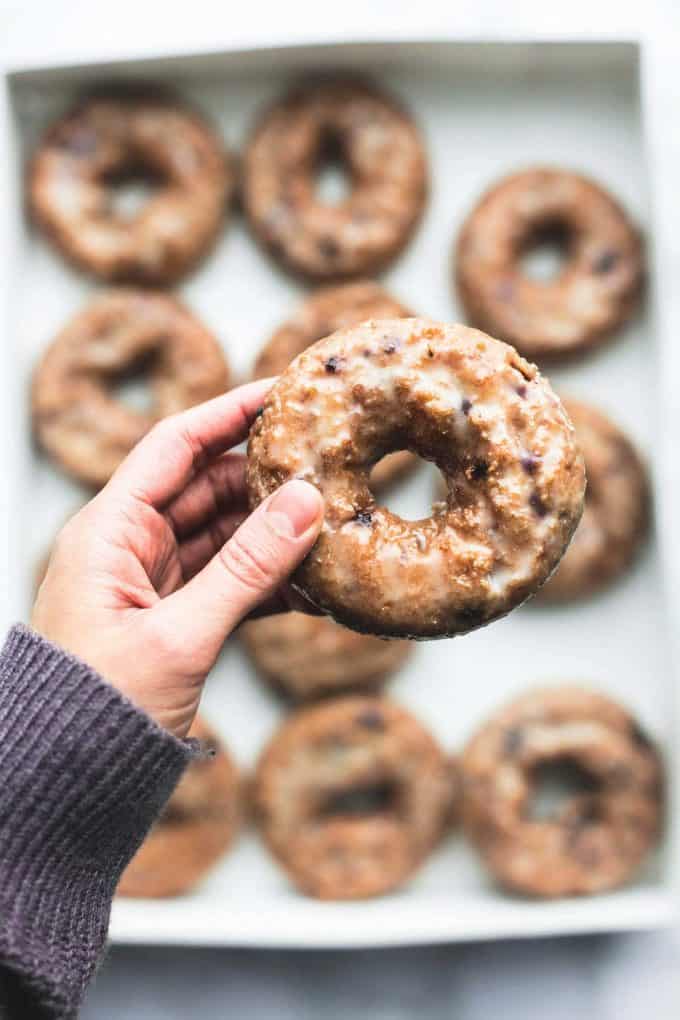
[
  {"x": 307, "y": 657},
  {"x": 593, "y": 293},
  {"x": 109, "y": 139},
  {"x": 77, "y": 418},
  {"x": 330, "y": 309},
  {"x": 454, "y": 396},
  {"x": 616, "y": 514},
  {"x": 351, "y": 796},
  {"x": 198, "y": 824},
  {"x": 382, "y": 151},
  {"x": 598, "y": 837}
]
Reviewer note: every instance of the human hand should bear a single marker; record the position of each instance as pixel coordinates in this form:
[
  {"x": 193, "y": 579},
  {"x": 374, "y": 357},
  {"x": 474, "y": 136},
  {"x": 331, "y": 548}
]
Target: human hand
[{"x": 146, "y": 582}]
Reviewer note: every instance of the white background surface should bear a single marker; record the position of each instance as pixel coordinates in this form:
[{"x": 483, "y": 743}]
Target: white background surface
[{"x": 622, "y": 978}]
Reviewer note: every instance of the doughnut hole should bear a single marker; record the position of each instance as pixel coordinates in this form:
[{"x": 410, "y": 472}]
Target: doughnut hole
[
  {"x": 131, "y": 386},
  {"x": 545, "y": 252},
  {"x": 130, "y": 189},
  {"x": 410, "y": 501},
  {"x": 361, "y": 801},
  {"x": 332, "y": 175},
  {"x": 555, "y": 783}
]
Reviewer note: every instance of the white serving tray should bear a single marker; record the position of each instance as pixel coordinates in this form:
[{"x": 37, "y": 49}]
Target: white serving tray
[{"x": 485, "y": 109}]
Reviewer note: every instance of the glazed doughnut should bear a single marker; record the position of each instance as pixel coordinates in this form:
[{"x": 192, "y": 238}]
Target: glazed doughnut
[
  {"x": 616, "y": 513},
  {"x": 76, "y": 417},
  {"x": 597, "y": 838},
  {"x": 330, "y": 309},
  {"x": 493, "y": 427},
  {"x": 110, "y": 139},
  {"x": 593, "y": 294},
  {"x": 350, "y": 796},
  {"x": 382, "y": 153},
  {"x": 307, "y": 657},
  {"x": 199, "y": 823}
]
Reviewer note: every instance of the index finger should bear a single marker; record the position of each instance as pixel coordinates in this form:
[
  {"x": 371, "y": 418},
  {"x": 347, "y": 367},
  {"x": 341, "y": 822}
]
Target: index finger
[{"x": 162, "y": 463}]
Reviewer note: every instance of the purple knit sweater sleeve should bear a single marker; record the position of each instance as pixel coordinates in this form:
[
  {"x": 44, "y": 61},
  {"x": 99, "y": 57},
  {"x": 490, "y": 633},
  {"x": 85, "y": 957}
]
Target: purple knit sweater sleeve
[{"x": 83, "y": 774}]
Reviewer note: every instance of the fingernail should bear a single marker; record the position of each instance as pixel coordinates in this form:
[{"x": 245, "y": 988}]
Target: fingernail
[{"x": 294, "y": 508}]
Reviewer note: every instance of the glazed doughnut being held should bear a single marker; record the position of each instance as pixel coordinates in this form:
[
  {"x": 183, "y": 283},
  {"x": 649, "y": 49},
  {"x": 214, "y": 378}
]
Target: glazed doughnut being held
[
  {"x": 351, "y": 796},
  {"x": 76, "y": 417},
  {"x": 330, "y": 309},
  {"x": 382, "y": 153},
  {"x": 483, "y": 415},
  {"x": 306, "y": 657},
  {"x": 598, "y": 836},
  {"x": 596, "y": 289},
  {"x": 199, "y": 823},
  {"x": 106, "y": 140},
  {"x": 616, "y": 514}
]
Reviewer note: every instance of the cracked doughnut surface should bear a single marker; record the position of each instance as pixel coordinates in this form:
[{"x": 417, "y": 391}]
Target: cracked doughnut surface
[
  {"x": 491, "y": 423},
  {"x": 197, "y": 826},
  {"x": 108, "y": 139},
  {"x": 76, "y": 416},
  {"x": 330, "y": 309},
  {"x": 596, "y": 839},
  {"x": 616, "y": 514},
  {"x": 351, "y": 796},
  {"x": 382, "y": 152},
  {"x": 596, "y": 289},
  {"x": 308, "y": 657}
]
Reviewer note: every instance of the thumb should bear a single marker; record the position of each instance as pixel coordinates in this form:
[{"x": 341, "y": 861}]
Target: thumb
[{"x": 248, "y": 568}]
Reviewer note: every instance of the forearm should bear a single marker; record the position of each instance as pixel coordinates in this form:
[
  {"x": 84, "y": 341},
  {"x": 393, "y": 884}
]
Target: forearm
[{"x": 83, "y": 774}]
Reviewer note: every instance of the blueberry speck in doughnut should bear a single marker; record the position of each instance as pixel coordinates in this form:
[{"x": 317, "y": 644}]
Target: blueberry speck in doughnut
[
  {"x": 332, "y": 365},
  {"x": 537, "y": 504},
  {"x": 521, "y": 391},
  {"x": 620, "y": 777},
  {"x": 259, "y": 412},
  {"x": 590, "y": 813},
  {"x": 371, "y": 719},
  {"x": 639, "y": 736},
  {"x": 588, "y": 816},
  {"x": 80, "y": 142},
  {"x": 470, "y": 614},
  {"x": 390, "y": 346},
  {"x": 480, "y": 470},
  {"x": 530, "y": 463},
  {"x": 605, "y": 262},
  {"x": 328, "y": 247},
  {"x": 512, "y": 741},
  {"x": 505, "y": 290},
  {"x": 364, "y": 517},
  {"x": 466, "y": 406}
]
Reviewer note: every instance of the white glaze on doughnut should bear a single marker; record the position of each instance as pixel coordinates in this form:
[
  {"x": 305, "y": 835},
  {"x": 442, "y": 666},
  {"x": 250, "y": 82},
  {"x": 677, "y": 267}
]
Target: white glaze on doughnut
[{"x": 454, "y": 396}]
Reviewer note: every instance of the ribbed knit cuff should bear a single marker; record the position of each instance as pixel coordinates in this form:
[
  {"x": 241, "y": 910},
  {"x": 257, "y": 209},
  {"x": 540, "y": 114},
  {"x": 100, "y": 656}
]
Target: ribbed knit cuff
[{"x": 83, "y": 775}]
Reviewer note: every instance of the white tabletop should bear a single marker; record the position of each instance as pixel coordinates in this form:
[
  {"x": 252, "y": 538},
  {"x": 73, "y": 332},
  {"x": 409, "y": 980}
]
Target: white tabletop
[
  {"x": 607, "y": 978},
  {"x": 595, "y": 977}
]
